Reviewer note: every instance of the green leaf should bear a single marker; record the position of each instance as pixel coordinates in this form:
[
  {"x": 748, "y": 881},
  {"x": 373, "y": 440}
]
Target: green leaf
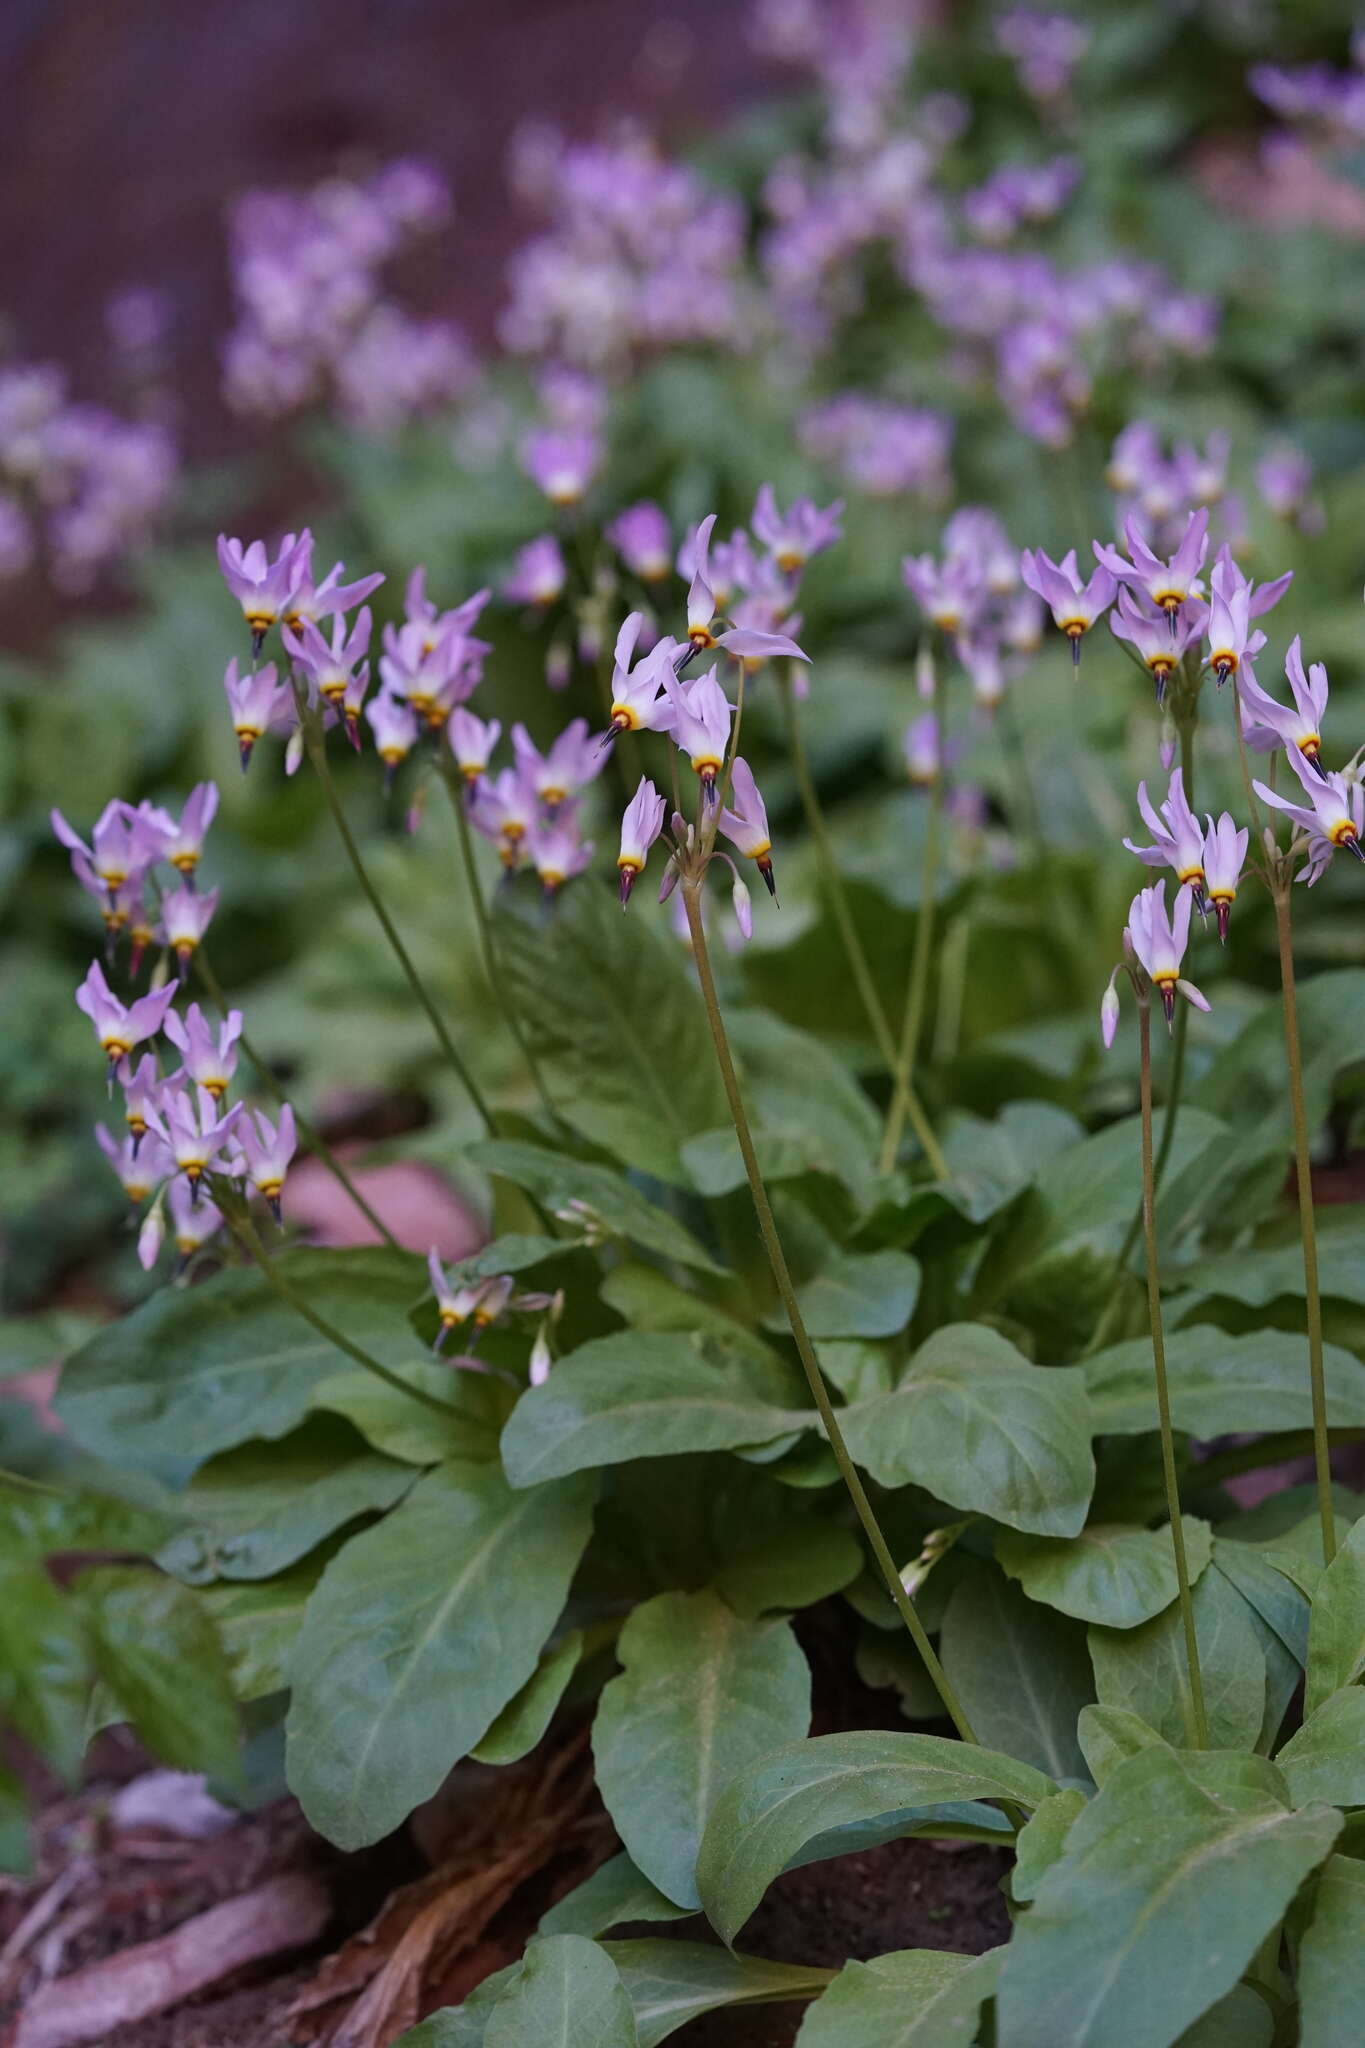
[
  {"x": 1169, "y": 1882},
  {"x": 615, "y": 1893},
  {"x": 633, "y": 1396},
  {"x": 1325, "y": 1758},
  {"x": 1336, "y": 1630},
  {"x": 978, "y": 1426},
  {"x": 912, "y": 1998},
  {"x": 1220, "y": 1383},
  {"x": 516, "y": 1252},
  {"x": 592, "y": 1198},
  {"x": 672, "y": 1982},
  {"x": 45, "y": 1672},
  {"x": 769, "y": 1812},
  {"x": 519, "y": 1727},
  {"x": 701, "y": 1694},
  {"x": 1332, "y": 1958},
  {"x": 1241, "y": 2020},
  {"x": 199, "y": 1369},
  {"x": 421, "y": 1630},
  {"x": 258, "y": 1621},
  {"x": 1279, "y": 1603},
  {"x": 801, "y": 1562},
  {"x": 16, "y": 1851},
  {"x": 1263, "y": 1273},
  {"x": 157, "y": 1650},
  {"x": 463, "y": 2026},
  {"x": 411, "y": 1430},
  {"x": 991, "y": 1162},
  {"x": 1043, "y": 1838},
  {"x": 255, "y": 1510},
  {"x": 1108, "y": 1735},
  {"x": 34, "y": 1526},
  {"x": 584, "y": 979},
  {"x": 1109, "y": 1573},
  {"x": 568, "y": 1995},
  {"x": 1022, "y": 1676},
  {"x": 863, "y": 1294},
  {"x": 649, "y": 1300},
  {"x": 1143, "y": 1669}
]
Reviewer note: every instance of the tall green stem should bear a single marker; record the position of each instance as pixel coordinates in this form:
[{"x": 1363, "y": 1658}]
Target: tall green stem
[
  {"x": 1322, "y": 1464},
  {"x": 506, "y": 1008},
  {"x": 250, "y": 1241},
  {"x": 1163, "y": 1398},
  {"x": 317, "y": 754},
  {"x": 309, "y": 1133},
  {"x": 918, "y": 987},
  {"x": 772, "y": 1244},
  {"x": 853, "y": 947}
]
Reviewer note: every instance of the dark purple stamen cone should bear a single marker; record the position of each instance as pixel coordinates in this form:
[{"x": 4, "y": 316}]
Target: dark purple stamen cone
[
  {"x": 1076, "y": 652},
  {"x": 258, "y": 634},
  {"x": 1223, "y": 911},
  {"x": 1160, "y": 677},
  {"x": 272, "y": 1203},
  {"x": 244, "y": 753},
  {"x": 765, "y": 868},
  {"x": 1315, "y": 764},
  {"x": 1168, "y": 1004},
  {"x": 1356, "y": 849},
  {"x": 627, "y": 884}
]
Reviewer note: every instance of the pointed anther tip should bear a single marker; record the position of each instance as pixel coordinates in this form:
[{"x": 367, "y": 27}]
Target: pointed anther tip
[
  {"x": 257, "y": 641},
  {"x": 273, "y": 1204}
]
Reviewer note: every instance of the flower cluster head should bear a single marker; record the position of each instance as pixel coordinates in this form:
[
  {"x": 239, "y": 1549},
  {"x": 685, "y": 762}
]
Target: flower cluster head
[
  {"x": 81, "y": 487},
  {"x": 314, "y": 322},
  {"x": 1045, "y": 47},
  {"x": 971, "y": 593},
  {"x": 118, "y": 868},
  {"x": 1155, "y": 941},
  {"x": 474, "y": 1305},
  {"x": 1207, "y": 860},
  {"x": 180, "y": 1134},
  {"x": 881, "y": 448}
]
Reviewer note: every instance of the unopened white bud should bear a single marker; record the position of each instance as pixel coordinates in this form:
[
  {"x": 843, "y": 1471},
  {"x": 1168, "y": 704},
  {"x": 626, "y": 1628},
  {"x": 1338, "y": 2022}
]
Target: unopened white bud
[
  {"x": 151, "y": 1236},
  {"x": 541, "y": 1359},
  {"x": 744, "y": 915}
]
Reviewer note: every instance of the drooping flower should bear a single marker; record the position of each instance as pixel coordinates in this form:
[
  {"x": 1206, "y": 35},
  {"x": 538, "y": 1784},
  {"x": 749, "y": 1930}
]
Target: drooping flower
[
  {"x": 557, "y": 851},
  {"x": 1267, "y": 724},
  {"x": 194, "y": 1219},
  {"x": 538, "y": 573},
  {"x": 573, "y": 761},
  {"x": 950, "y": 593},
  {"x": 640, "y": 827},
  {"x": 331, "y": 598},
  {"x": 745, "y": 823},
  {"x": 744, "y": 642},
  {"x": 794, "y": 536},
  {"x": 1159, "y": 941},
  {"x": 1150, "y": 636},
  {"x": 141, "y": 1085},
  {"x": 483, "y": 1300},
  {"x": 641, "y": 537},
  {"x": 208, "y": 1051},
  {"x": 472, "y": 741},
  {"x": 504, "y": 810},
  {"x": 266, "y": 1150},
  {"x": 186, "y": 914},
  {"x": 639, "y": 700},
  {"x": 562, "y": 465},
  {"x": 1333, "y": 817},
  {"x": 1178, "y": 837},
  {"x": 1225, "y": 852},
  {"x": 123, "y": 845},
  {"x": 120, "y": 1027},
  {"x": 332, "y": 667},
  {"x": 1074, "y": 605},
  {"x": 141, "y": 1165},
  {"x": 184, "y": 842},
  {"x": 259, "y": 703},
  {"x": 921, "y": 750},
  {"x": 394, "y": 725},
  {"x": 701, "y": 725},
  {"x": 196, "y": 1135},
  {"x": 265, "y": 589}
]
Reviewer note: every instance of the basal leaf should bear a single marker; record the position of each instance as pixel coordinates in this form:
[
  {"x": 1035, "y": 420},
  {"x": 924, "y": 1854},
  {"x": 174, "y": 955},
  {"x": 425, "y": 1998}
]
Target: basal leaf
[
  {"x": 863, "y": 1294},
  {"x": 469, "y": 1426},
  {"x": 615, "y": 1893},
  {"x": 637, "y": 1396},
  {"x": 1220, "y": 1383},
  {"x": 1144, "y": 1669},
  {"x": 199, "y": 1369},
  {"x": 1259, "y": 1275},
  {"x": 593, "y": 1197},
  {"x": 980, "y": 1427},
  {"x": 45, "y": 1666},
  {"x": 1021, "y": 1673},
  {"x": 1336, "y": 1631},
  {"x": 1325, "y": 1758},
  {"x": 769, "y": 1812},
  {"x": 411, "y": 1644},
  {"x": 1332, "y": 1958},
  {"x": 16, "y": 1854},
  {"x": 156, "y": 1649},
  {"x": 1108, "y": 1735},
  {"x": 519, "y": 1727},
  {"x": 912, "y": 1998},
  {"x": 1169, "y": 1881},
  {"x": 258, "y": 1621},
  {"x": 1109, "y": 1573},
  {"x": 701, "y": 1694},
  {"x": 1042, "y": 1839},
  {"x": 567, "y": 1995},
  {"x": 672, "y": 1982}
]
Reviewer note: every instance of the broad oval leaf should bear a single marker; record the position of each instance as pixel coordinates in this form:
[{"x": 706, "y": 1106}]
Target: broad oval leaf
[
  {"x": 258, "y": 1621},
  {"x": 1042, "y": 1840},
  {"x": 1144, "y": 1669},
  {"x": 581, "y": 1193},
  {"x": 1170, "y": 1880},
  {"x": 157, "y": 1651},
  {"x": 1109, "y": 1735},
  {"x": 770, "y": 1811},
  {"x": 912, "y": 1998},
  {"x": 1021, "y": 1673},
  {"x": 412, "y": 1642},
  {"x": 476, "y": 1405},
  {"x": 1325, "y": 1758},
  {"x": 1110, "y": 1573},
  {"x": 195, "y": 1370},
  {"x": 980, "y": 1427},
  {"x": 615, "y": 1893},
  {"x": 1332, "y": 1958},
  {"x": 862, "y": 1294},
  {"x": 45, "y": 1668},
  {"x": 1220, "y": 1383},
  {"x": 633, "y": 1396},
  {"x": 1257, "y": 1276},
  {"x": 701, "y": 1694},
  {"x": 568, "y": 1994},
  {"x": 518, "y": 1728}
]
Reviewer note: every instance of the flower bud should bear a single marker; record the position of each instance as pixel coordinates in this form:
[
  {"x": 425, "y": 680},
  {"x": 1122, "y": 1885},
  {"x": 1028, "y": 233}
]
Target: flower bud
[
  {"x": 744, "y": 915},
  {"x": 151, "y": 1236},
  {"x": 1109, "y": 1012},
  {"x": 541, "y": 1359}
]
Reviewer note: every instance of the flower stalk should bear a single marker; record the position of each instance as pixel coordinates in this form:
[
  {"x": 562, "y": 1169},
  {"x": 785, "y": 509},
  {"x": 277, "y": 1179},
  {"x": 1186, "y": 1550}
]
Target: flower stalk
[
  {"x": 919, "y": 966},
  {"x": 904, "y": 1093},
  {"x": 772, "y": 1244},
  {"x": 1322, "y": 1464},
  {"x": 1163, "y": 1398}
]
